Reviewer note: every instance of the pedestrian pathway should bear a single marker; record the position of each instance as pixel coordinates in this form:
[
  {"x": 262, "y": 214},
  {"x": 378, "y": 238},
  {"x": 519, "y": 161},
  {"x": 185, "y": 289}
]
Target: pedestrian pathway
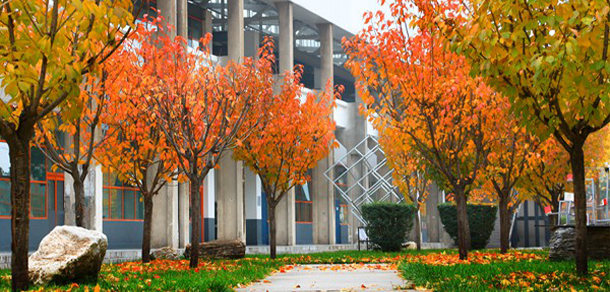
[{"x": 343, "y": 277}]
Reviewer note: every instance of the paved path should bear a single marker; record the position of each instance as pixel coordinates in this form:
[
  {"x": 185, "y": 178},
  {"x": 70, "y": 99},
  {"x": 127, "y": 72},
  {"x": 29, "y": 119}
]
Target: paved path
[{"x": 346, "y": 277}]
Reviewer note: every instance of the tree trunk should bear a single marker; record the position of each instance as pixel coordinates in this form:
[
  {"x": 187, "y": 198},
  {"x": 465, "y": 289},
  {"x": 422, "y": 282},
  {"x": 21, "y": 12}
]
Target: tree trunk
[
  {"x": 554, "y": 193},
  {"x": 219, "y": 249},
  {"x": 504, "y": 220},
  {"x": 195, "y": 222},
  {"x": 19, "y": 152},
  {"x": 272, "y": 231},
  {"x": 79, "y": 197},
  {"x": 577, "y": 160},
  {"x": 462, "y": 222},
  {"x": 148, "y": 213},
  {"x": 418, "y": 228}
]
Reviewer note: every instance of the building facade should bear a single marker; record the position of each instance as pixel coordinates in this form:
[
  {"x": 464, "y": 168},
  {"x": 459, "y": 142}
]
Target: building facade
[{"x": 234, "y": 205}]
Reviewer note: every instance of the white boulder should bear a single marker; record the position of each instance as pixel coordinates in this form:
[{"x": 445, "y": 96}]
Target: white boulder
[
  {"x": 410, "y": 245},
  {"x": 68, "y": 254}
]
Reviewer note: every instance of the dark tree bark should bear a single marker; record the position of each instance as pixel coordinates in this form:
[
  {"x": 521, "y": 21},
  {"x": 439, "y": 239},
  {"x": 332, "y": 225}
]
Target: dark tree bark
[
  {"x": 195, "y": 221},
  {"x": 20, "y": 207},
  {"x": 577, "y": 159},
  {"x": 462, "y": 223},
  {"x": 272, "y": 230},
  {"x": 79, "y": 198},
  {"x": 148, "y": 215},
  {"x": 504, "y": 220},
  {"x": 219, "y": 249}
]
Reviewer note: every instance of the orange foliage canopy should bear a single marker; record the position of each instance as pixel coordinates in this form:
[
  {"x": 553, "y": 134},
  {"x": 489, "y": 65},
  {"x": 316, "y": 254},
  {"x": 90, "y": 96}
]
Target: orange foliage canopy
[
  {"x": 296, "y": 133},
  {"x": 135, "y": 146},
  {"x": 411, "y": 82}
]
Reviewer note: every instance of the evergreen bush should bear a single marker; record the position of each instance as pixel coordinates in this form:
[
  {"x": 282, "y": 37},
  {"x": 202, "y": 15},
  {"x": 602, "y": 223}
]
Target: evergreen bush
[
  {"x": 481, "y": 219},
  {"x": 387, "y": 224}
]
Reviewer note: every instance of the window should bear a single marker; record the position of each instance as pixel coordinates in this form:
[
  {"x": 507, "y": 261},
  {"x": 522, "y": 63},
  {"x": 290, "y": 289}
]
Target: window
[
  {"x": 303, "y": 204},
  {"x": 5, "y": 198},
  {"x": 38, "y": 183},
  {"x": 145, "y": 8},
  {"x": 195, "y": 27},
  {"x": 121, "y": 201}
]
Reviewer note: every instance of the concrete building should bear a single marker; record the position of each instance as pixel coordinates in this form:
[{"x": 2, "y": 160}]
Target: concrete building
[
  {"x": 324, "y": 212},
  {"x": 308, "y": 33}
]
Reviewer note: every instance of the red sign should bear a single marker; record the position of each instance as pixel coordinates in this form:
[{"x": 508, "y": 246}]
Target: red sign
[
  {"x": 569, "y": 177},
  {"x": 547, "y": 210},
  {"x": 604, "y": 202}
]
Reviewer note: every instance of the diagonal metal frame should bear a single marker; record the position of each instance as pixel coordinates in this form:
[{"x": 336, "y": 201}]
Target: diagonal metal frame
[{"x": 361, "y": 190}]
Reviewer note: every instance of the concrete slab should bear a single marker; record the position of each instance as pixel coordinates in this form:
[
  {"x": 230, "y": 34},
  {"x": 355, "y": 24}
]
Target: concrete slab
[{"x": 345, "y": 277}]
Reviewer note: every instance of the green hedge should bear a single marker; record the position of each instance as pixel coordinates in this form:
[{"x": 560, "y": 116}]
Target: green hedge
[
  {"x": 481, "y": 219},
  {"x": 387, "y": 224}
]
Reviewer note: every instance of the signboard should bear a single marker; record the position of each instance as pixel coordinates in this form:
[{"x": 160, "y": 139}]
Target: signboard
[
  {"x": 568, "y": 196},
  {"x": 547, "y": 210}
]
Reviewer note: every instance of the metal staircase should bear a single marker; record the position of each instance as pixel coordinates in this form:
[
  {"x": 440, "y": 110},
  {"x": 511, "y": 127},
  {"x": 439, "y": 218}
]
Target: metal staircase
[{"x": 361, "y": 177}]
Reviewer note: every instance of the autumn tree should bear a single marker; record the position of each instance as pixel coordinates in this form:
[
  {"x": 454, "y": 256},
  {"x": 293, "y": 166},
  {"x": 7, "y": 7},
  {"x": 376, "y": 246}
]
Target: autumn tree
[
  {"x": 134, "y": 145},
  {"x": 47, "y": 49},
  {"x": 545, "y": 177},
  {"x": 201, "y": 108},
  {"x": 292, "y": 139},
  {"x": 510, "y": 148},
  {"x": 410, "y": 81},
  {"x": 550, "y": 60},
  {"x": 69, "y": 138},
  {"x": 409, "y": 175}
]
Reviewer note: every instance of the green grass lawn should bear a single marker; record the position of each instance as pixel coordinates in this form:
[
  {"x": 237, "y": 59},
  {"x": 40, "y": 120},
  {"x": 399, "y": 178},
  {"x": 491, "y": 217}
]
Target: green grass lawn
[
  {"x": 220, "y": 275},
  {"x": 439, "y": 270},
  {"x": 527, "y": 275}
]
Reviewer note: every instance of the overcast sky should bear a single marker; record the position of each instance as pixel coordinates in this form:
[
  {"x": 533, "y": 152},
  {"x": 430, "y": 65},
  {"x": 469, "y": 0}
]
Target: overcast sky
[{"x": 344, "y": 13}]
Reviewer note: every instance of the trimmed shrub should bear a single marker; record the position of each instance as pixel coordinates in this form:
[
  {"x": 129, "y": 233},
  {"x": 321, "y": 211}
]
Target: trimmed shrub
[
  {"x": 481, "y": 219},
  {"x": 387, "y": 224}
]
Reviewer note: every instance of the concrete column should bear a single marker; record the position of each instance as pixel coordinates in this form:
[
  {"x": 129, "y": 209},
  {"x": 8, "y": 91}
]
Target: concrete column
[
  {"x": 172, "y": 227},
  {"x": 69, "y": 200},
  {"x": 230, "y": 182},
  {"x": 285, "y": 219},
  {"x": 323, "y": 203},
  {"x": 95, "y": 198},
  {"x": 286, "y": 46},
  {"x": 168, "y": 9},
  {"x": 251, "y": 44},
  {"x": 207, "y": 27},
  {"x": 253, "y": 192},
  {"x": 182, "y": 20},
  {"x": 230, "y": 200},
  {"x": 432, "y": 215},
  {"x": 325, "y": 31},
  {"x": 158, "y": 237},
  {"x": 183, "y": 215},
  {"x": 94, "y": 194},
  {"x": 209, "y": 207},
  {"x": 236, "y": 29},
  {"x": 285, "y": 210}
]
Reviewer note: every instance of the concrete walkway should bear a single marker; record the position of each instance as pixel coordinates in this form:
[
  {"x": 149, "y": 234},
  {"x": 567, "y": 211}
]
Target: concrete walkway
[{"x": 345, "y": 277}]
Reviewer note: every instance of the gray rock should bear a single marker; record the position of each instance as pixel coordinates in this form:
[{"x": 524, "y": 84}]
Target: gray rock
[
  {"x": 165, "y": 253},
  {"x": 562, "y": 244},
  {"x": 68, "y": 254}
]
